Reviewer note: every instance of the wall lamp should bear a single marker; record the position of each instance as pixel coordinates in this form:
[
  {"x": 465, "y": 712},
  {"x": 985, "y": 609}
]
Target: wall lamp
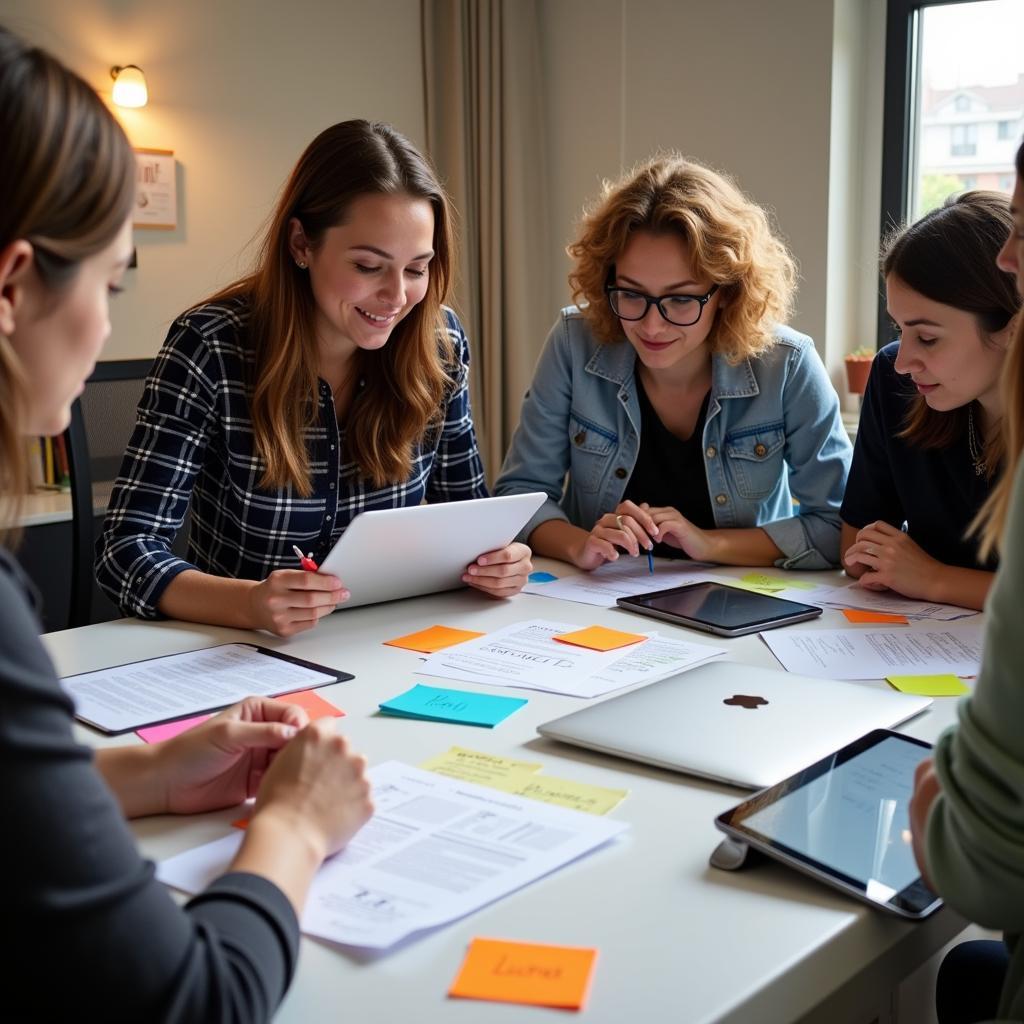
[{"x": 129, "y": 86}]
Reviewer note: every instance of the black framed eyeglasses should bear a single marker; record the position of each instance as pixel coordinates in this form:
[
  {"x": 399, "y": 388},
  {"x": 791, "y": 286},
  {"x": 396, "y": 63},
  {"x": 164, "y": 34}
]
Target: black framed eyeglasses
[{"x": 681, "y": 310}]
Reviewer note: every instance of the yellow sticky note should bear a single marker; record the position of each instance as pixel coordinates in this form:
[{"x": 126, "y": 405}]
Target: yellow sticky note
[
  {"x": 578, "y": 796},
  {"x": 599, "y": 638},
  {"x": 929, "y": 686},
  {"x": 758, "y": 587},
  {"x": 476, "y": 766},
  {"x": 860, "y": 615},
  {"x": 436, "y": 638},
  {"x": 521, "y": 972}
]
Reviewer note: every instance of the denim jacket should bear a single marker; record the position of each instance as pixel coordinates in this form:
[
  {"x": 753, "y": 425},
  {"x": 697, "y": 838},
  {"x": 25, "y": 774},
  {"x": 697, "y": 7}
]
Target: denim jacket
[{"x": 772, "y": 433}]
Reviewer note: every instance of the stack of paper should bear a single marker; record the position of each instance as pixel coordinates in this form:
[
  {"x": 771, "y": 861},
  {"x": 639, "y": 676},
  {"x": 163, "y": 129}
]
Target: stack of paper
[
  {"x": 525, "y": 654},
  {"x": 435, "y": 850}
]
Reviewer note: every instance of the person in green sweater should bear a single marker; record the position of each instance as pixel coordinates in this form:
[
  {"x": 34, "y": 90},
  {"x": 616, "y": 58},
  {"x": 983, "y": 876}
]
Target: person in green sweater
[{"x": 967, "y": 812}]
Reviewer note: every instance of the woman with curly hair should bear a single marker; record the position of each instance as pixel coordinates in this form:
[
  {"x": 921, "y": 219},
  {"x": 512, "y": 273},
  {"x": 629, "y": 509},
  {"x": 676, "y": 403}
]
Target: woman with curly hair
[{"x": 671, "y": 409}]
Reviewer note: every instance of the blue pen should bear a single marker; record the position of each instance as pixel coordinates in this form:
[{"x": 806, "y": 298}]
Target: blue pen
[{"x": 650, "y": 561}]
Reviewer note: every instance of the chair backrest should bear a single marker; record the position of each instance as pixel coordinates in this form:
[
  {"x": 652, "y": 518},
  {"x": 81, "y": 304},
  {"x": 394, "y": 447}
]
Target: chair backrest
[{"x": 102, "y": 420}]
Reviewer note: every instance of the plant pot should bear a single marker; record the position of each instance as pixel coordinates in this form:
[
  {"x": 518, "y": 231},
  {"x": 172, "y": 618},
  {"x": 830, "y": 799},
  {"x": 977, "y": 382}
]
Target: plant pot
[{"x": 858, "y": 369}]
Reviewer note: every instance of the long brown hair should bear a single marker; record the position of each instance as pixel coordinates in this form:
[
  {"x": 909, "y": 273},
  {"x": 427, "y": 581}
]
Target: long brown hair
[
  {"x": 67, "y": 179},
  {"x": 990, "y": 523},
  {"x": 949, "y": 256},
  {"x": 729, "y": 238},
  {"x": 405, "y": 381}
]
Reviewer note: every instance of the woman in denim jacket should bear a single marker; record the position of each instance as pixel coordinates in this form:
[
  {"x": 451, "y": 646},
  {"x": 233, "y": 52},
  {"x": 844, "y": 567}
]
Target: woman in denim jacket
[{"x": 670, "y": 409}]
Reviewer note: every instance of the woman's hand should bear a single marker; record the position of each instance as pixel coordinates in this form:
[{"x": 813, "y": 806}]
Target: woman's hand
[
  {"x": 889, "y": 560},
  {"x": 926, "y": 789},
  {"x": 289, "y": 601},
  {"x": 629, "y": 528},
  {"x": 501, "y": 573},
  {"x": 220, "y": 762},
  {"x": 679, "y": 532},
  {"x": 316, "y": 789}
]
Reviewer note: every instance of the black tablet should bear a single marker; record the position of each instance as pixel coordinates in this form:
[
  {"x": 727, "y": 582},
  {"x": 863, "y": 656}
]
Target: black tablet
[
  {"x": 717, "y": 608},
  {"x": 845, "y": 822}
]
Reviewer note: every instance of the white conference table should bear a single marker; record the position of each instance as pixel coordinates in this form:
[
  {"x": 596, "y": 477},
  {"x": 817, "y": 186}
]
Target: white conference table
[{"x": 677, "y": 939}]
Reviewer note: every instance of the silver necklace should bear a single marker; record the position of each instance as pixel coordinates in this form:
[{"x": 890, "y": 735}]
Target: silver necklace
[{"x": 974, "y": 445}]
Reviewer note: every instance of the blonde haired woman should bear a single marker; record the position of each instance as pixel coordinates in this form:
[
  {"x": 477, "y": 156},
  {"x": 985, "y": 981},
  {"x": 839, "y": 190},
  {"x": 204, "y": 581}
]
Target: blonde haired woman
[
  {"x": 671, "y": 409},
  {"x": 330, "y": 381}
]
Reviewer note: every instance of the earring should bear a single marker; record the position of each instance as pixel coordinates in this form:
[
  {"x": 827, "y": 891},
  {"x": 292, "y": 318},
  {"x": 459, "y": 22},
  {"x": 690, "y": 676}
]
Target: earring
[{"x": 301, "y": 264}]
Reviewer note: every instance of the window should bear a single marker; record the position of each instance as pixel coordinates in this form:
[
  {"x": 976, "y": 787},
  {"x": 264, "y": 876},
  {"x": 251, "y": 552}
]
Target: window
[{"x": 954, "y": 92}]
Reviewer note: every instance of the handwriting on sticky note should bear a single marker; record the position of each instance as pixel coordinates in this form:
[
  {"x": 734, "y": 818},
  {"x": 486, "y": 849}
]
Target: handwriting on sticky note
[
  {"x": 862, "y": 615},
  {"x": 929, "y": 686},
  {"x": 520, "y": 972},
  {"x": 436, "y": 638},
  {"x": 578, "y": 796},
  {"x": 476, "y": 766},
  {"x": 461, "y": 706},
  {"x": 599, "y": 638}
]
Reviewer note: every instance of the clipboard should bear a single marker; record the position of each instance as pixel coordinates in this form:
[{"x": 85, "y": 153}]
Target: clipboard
[{"x": 153, "y": 691}]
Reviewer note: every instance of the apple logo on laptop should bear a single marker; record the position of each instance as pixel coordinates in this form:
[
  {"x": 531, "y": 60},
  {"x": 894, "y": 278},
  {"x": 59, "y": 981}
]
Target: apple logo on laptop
[{"x": 743, "y": 700}]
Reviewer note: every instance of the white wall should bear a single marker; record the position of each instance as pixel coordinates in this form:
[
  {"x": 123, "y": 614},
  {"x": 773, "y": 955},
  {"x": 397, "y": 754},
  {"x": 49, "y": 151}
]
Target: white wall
[
  {"x": 237, "y": 90},
  {"x": 743, "y": 85}
]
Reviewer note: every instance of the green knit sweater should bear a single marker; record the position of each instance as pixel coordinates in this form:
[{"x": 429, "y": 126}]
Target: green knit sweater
[{"x": 975, "y": 831}]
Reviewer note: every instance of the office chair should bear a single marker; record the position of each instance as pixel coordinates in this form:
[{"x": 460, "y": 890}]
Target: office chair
[{"x": 101, "y": 423}]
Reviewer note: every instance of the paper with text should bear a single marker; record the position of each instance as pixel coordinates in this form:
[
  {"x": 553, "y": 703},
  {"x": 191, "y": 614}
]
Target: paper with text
[
  {"x": 625, "y": 578},
  {"x": 435, "y": 850}
]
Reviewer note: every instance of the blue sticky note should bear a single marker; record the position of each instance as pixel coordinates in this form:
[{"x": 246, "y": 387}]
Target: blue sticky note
[
  {"x": 460, "y": 706},
  {"x": 541, "y": 577}
]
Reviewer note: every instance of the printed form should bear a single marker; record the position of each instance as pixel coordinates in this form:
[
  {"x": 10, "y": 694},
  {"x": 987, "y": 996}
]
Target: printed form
[{"x": 435, "y": 850}]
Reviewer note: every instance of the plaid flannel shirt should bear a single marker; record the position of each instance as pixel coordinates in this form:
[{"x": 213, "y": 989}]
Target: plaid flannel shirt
[{"x": 192, "y": 449}]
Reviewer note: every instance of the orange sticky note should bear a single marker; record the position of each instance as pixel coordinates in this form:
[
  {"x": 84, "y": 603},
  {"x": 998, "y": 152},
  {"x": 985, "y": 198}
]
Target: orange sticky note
[
  {"x": 240, "y": 823},
  {"x": 520, "y": 972},
  {"x": 436, "y": 638},
  {"x": 860, "y": 615},
  {"x": 599, "y": 638},
  {"x": 314, "y": 705}
]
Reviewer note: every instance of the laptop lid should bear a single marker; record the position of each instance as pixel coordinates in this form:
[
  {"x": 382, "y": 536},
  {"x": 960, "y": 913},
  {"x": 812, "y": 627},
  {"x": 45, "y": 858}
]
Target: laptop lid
[
  {"x": 735, "y": 723},
  {"x": 394, "y": 553}
]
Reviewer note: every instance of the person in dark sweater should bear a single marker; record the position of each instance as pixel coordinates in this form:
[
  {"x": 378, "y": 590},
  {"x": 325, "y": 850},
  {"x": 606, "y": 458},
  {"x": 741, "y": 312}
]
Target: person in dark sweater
[
  {"x": 929, "y": 445},
  {"x": 88, "y": 932}
]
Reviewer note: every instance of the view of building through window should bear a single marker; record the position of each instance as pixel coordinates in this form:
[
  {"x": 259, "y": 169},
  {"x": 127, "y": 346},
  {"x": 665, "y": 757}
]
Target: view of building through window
[{"x": 970, "y": 100}]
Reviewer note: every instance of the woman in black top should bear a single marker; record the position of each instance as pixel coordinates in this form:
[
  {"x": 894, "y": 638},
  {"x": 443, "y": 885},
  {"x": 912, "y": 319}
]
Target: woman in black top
[
  {"x": 87, "y": 931},
  {"x": 929, "y": 443}
]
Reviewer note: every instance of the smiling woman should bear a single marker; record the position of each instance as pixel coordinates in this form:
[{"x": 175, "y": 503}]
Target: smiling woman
[
  {"x": 330, "y": 381},
  {"x": 930, "y": 444}
]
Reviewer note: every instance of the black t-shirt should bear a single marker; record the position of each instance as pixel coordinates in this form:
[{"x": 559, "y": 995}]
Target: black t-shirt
[
  {"x": 936, "y": 490},
  {"x": 89, "y": 933},
  {"x": 669, "y": 471}
]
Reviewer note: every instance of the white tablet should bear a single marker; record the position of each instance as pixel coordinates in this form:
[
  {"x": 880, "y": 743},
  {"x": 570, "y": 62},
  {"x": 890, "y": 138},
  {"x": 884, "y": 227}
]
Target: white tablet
[
  {"x": 845, "y": 821},
  {"x": 395, "y": 553}
]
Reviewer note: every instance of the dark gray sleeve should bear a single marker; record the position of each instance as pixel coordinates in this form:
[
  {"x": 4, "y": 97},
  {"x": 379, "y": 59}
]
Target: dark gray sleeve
[{"x": 89, "y": 932}]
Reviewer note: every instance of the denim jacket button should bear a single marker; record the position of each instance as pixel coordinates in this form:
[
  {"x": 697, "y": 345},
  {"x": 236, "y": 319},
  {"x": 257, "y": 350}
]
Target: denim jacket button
[
  {"x": 580, "y": 437},
  {"x": 760, "y": 451},
  {"x": 621, "y": 473},
  {"x": 711, "y": 452},
  {"x": 721, "y": 498}
]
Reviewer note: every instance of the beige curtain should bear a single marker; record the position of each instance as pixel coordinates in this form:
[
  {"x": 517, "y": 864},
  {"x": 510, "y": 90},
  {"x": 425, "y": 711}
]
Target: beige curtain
[{"x": 485, "y": 135}]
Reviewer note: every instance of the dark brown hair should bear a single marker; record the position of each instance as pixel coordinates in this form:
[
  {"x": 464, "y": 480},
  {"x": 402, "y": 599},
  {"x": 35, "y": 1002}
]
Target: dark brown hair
[
  {"x": 67, "y": 178},
  {"x": 949, "y": 256},
  {"x": 405, "y": 381}
]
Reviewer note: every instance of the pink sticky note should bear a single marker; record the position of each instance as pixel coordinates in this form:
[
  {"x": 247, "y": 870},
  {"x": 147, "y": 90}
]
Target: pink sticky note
[{"x": 158, "y": 733}]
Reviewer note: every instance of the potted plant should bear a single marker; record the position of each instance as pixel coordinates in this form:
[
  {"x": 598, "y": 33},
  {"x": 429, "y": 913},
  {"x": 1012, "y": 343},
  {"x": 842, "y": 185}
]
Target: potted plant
[{"x": 858, "y": 367}]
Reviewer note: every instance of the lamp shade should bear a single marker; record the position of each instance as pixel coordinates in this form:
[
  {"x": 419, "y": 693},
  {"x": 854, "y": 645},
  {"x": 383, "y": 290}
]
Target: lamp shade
[{"x": 129, "y": 86}]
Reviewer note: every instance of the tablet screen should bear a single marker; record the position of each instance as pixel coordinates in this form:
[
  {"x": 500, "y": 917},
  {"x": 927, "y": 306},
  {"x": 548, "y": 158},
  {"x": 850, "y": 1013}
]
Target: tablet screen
[
  {"x": 721, "y": 605},
  {"x": 848, "y": 813}
]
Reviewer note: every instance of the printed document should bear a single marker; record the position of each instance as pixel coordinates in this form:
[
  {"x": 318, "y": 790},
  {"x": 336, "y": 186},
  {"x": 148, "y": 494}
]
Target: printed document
[
  {"x": 856, "y": 596},
  {"x": 625, "y": 578},
  {"x": 435, "y": 850},
  {"x": 877, "y": 653},
  {"x": 524, "y": 654}
]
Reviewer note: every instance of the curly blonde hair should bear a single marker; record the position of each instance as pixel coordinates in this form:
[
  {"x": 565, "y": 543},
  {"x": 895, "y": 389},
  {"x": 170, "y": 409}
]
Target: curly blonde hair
[{"x": 729, "y": 238}]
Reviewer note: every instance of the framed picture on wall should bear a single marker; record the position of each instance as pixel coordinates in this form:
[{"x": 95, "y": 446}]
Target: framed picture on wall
[{"x": 156, "y": 189}]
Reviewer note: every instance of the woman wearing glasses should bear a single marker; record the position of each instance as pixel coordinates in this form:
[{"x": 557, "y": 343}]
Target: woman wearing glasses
[{"x": 671, "y": 410}]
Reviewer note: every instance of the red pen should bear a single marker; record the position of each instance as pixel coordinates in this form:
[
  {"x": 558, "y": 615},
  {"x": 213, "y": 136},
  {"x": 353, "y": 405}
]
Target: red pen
[{"x": 306, "y": 561}]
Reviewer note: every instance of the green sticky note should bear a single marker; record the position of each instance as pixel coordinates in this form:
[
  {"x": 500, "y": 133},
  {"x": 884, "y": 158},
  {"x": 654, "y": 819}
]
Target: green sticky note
[
  {"x": 762, "y": 581},
  {"x": 929, "y": 686}
]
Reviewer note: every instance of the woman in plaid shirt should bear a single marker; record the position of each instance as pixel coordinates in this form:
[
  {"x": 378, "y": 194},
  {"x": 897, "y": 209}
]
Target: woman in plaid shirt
[{"x": 330, "y": 381}]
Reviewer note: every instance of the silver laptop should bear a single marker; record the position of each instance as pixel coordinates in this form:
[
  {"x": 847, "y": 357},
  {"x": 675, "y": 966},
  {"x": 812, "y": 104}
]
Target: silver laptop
[
  {"x": 394, "y": 553},
  {"x": 734, "y": 723}
]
